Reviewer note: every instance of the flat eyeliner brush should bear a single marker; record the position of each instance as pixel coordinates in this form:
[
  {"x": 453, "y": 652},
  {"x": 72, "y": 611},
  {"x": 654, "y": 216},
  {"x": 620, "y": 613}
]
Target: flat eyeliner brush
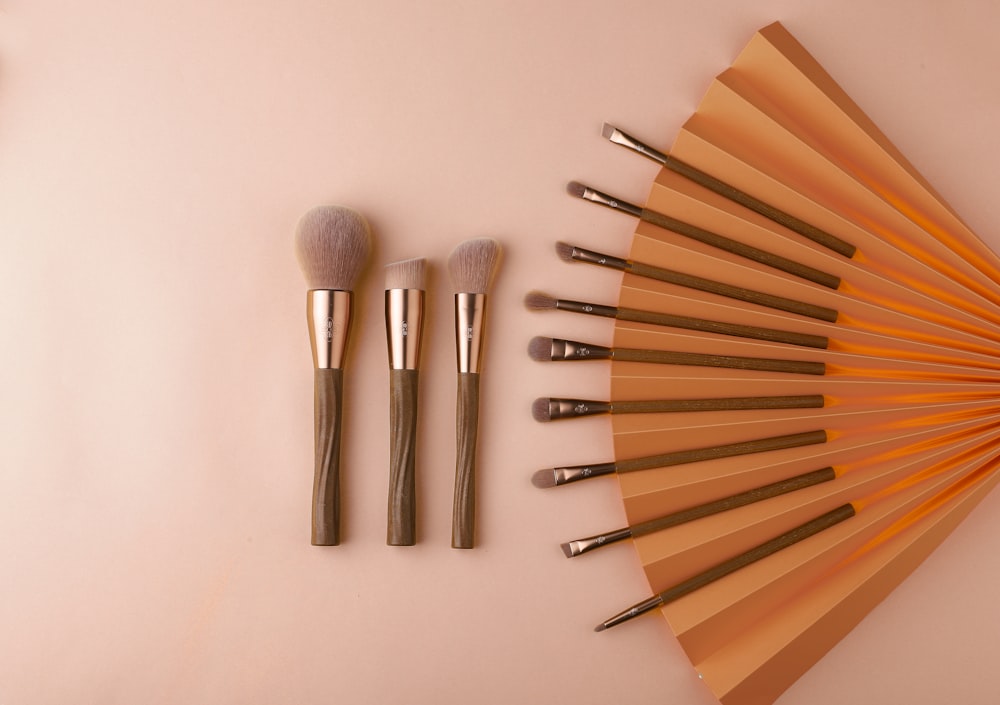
[
  {"x": 820, "y": 237},
  {"x": 705, "y": 236},
  {"x": 538, "y": 301}
]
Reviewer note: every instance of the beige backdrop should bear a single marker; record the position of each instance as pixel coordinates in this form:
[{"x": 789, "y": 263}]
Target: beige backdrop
[{"x": 155, "y": 377}]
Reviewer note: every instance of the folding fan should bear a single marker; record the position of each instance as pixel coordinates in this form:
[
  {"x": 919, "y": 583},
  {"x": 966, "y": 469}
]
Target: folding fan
[{"x": 803, "y": 373}]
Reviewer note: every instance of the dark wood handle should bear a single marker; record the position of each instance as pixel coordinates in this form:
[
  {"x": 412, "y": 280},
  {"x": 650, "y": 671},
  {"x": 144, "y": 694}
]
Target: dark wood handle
[
  {"x": 328, "y": 400},
  {"x": 402, "y": 521},
  {"x": 463, "y": 521}
]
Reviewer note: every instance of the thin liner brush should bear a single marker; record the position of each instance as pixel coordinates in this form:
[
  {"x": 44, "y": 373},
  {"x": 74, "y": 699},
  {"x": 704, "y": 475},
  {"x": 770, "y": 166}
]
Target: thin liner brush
[
  {"x": 551, "y": 409},
  {"x": 539, "y": 301},
  {"x": 775, "y": 489},
  {"x": 544, "y": 349},
  {"x": 404, "y": 311},
  {"x": 720, "y": 242},
  {"x": 571, "y": 253},
  {"x": 472, "y": 266},
  {"x": 333, "y": 244},
  {"x": 552, "y": 477},
  {"x": 820, "y": 237}
]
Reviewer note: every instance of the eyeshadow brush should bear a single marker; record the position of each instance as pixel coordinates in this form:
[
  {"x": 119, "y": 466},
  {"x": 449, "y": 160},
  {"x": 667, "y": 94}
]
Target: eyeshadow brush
[
  {"x": 552, "y": 408},
  {"x": 472, "y": 266},
  {"x": 333, "y": 244},
  {"x": 404, "y": 310}
]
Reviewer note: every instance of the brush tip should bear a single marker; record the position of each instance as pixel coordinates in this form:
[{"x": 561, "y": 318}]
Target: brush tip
[
  {"x": 472, "y": 265},
  {"x": 607, "y": 130},
  {"x": 540, "y": 348},
  {"x": 575, "y": 188},
  {"x": 406, "y": 274},
  {"x": 565, "y": 251},
  {"x": 541, "y": 409},
  {"x": 567, "y": 550},
  {"x": 600, "y": 628},
  {"x": 539, "y": 301},
  {"x": 544, "y": 479},
  {"x": 333, "y": 244}
]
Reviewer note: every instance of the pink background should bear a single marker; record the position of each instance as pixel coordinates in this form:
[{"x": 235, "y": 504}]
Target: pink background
[{"x": 156, "y": 424}]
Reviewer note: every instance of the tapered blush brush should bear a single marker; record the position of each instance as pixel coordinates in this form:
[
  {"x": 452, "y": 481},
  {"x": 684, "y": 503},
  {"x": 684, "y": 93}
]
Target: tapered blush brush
[
  {"x": 472, "y": 266},
  {"x": 333, "y": 244},
  {"x": 539, "y": 301},
  {"x": 705, "y": 237},
  {"x": 404, "y": 311},
  {"x": 701, "y": 178}
]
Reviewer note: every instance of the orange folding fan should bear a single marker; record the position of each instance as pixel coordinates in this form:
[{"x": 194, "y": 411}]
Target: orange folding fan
[{"x": 803, "y": 373}]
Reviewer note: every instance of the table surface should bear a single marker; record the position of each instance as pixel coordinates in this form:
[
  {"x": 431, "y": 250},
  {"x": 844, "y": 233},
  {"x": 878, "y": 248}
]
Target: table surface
[{"x": 156, "y": 428}]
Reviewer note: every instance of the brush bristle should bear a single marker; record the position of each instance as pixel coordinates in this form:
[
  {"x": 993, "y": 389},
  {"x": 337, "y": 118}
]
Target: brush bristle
[
  {"x": 544, "y": 479},
  {"x": 567, "y": 550},
  {"x": 538, "y": 301},
  {"x": 575, "y": 188},
  {"x": 472, "y": 265},
  {"x": 564, "y": 251},
  {"x": 607, "y": 131},
  {"x": 406, "y": 274},
  {"x": 541, "y": 409},
  {"x": 333, "y": 244},
  {"x": 540, "y": 349}
]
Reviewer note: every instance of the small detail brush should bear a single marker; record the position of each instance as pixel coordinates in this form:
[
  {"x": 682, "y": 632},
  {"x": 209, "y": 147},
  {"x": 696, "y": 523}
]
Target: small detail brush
[
  {"x": 699, "y": 177},
  {"x": 551, "y": 409},
  {"x": 705, "y": 237},
  {"x": 333, "y": 244},
  {"x": 544, "y": 349},
  {"x": 538, "y": 301},
  {"x": 571, "y": 253},
  {"x": 404, "y": 311},
  {"x": 472, "y": 266}
]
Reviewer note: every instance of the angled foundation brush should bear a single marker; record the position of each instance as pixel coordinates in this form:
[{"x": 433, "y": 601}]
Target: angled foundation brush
[
  {"x": 699, "y": 177},
  {"x": 538, "y": 301},
  {"x": 333, "y": 244},
  {"x": 472, "y": 266},
  {"x": 571, "y": 253},
  {"x": 551, "y": 408},
  {"x": 404, "y": 311},
  {"x": 705, "y": 237},
  {"x": 544, "y": 349}
]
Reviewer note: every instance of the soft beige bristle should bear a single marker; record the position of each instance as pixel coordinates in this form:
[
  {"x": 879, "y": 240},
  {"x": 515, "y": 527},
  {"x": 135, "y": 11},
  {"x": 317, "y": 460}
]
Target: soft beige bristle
[
  {"x": 544, "y": 479},
  {"x": 565, "y": 251},
  {"x": 607, "y": 130},
  {"x": 472, "y": 265},
  {"x": 538, "y": 301},
  {"x": 333, "y": 244},
  {"x": 541, "y": 409},
  {"x": 406, "y": 274},
  {"x": 540, "y": 349}
]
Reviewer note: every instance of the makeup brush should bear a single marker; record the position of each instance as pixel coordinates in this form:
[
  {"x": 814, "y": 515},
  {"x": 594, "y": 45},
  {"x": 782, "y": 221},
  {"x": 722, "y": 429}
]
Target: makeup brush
[
  {"x": 706, "y": 237},
  {"x": 699, "y": 177},
  {"x": 333, "y": 244},
  {"x": 404, "y": 310},
  {"x": 472, "y": 265},
  {"x": 571, "y": 253},
  {"x": 539, "y": 301},
  {"x": 551, "y": 408},
  {"x": 544, "y": 349}
]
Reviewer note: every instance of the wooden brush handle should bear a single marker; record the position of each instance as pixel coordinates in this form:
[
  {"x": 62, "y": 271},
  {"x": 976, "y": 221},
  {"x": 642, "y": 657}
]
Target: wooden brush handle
[
  {"x": 732, "y": 329},
  {"x": 667, "y": 406},
  {"x": 328, "y": 402},
  {"x": 463, "y": 521},
  {"x": 763, "y": 364},
  {"x": 402, "y": 519}
]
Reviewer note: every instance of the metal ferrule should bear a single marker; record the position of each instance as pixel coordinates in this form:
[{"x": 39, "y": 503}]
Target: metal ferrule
[
  {"x": 404, "y": 313},
  {"x": 328, "y": 313},
  {"x": 573, "y": 408},
  {"x": 575, "y": 548},
  {"x": 601, "y": 198},
  {"x": 590, "y": 257},
  {"x": 572, "y": 350},
  {"x": 626, "y": 140},
  {"x": 575, "y": 473},
  {"x": 634, "y": 611},
  {"x": 470, "y": 312},
  {"x": 583, "y": 307}
]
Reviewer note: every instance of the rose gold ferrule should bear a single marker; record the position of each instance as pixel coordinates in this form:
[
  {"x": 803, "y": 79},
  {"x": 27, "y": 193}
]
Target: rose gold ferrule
[
  {"x": 470, "y": 313},
  {"x": 404, "y": 314},
  {"x": 328, "y": 313}
]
